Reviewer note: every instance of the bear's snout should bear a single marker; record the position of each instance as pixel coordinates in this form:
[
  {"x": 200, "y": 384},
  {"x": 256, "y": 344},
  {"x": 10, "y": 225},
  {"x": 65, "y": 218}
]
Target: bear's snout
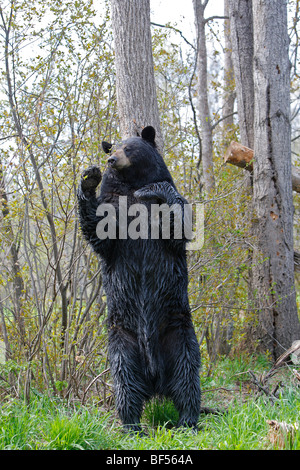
[
  {"x": 119, "y": 159},
  {"x": 112, "y": 161}
]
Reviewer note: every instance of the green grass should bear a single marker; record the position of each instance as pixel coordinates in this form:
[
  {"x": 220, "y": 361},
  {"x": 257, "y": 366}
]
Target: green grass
[{"x": 48, "y": 424}]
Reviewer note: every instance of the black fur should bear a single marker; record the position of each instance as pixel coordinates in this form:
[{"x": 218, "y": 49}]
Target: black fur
[
  {"x": 106, "y": 146},
  {"x": 153, "y": 348}
]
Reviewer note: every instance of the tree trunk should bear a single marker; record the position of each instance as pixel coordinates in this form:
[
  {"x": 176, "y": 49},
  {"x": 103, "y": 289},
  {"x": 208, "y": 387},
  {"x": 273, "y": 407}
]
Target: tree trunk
[
  {"x": 241, "y": 34},
  {"x": 229, "y": 93},
  {"x": 136, "y": 89},
  {"x": 14, "y": 255},
  {"x": 202, "y": 92},
  {"x": 273, "y": 266},
  {"x": 241, "y": 31}
]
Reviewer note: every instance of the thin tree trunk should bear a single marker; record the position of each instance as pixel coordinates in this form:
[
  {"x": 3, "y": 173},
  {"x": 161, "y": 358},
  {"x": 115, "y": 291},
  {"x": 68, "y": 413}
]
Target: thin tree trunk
[
  {"x": 14, "y": 254},
  {"x": 4, "y": 333},
  {"x": 202, "y": 92},
  {"x": 135, "y": 82},
  {"x": 229, "y": 95},
  {"x": 241, "y": 32},
  {"x": 273, "y": 267}
]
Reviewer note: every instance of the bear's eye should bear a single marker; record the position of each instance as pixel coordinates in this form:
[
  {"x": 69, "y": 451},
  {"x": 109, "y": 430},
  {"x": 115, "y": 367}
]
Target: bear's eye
[{"x": 126, "y": 149}]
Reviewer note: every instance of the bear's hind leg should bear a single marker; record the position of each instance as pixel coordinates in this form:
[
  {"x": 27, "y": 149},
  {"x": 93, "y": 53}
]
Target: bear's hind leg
[
  {"x": 129, "y": 400},
  {"x": 183, "y": 371},
  {"x": 130, "y": 386},
  {"x": 187, "y": 400}
]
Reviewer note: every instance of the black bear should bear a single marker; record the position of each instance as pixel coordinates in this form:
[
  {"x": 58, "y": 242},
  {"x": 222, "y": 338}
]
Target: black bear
[{"x": 152, "y": 344}]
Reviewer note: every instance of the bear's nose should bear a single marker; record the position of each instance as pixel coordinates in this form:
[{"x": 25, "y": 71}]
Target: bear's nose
[{"x": 112, "y": 161}]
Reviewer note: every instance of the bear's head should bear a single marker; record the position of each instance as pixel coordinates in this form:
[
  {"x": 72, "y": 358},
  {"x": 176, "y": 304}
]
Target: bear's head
[{"x": 136, "y": 160}]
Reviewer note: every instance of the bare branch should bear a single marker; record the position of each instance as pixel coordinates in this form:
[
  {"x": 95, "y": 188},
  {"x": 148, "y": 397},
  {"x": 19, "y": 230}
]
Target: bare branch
[
  {"x": 176, "y": 31},
  {"x": 222, "y": 119},
  {"x": 211, "y": 18}
]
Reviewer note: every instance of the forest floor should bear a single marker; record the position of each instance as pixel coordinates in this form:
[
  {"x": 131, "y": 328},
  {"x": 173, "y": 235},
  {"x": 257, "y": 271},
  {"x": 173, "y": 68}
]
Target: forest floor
[{"x": 246, "y": 413}]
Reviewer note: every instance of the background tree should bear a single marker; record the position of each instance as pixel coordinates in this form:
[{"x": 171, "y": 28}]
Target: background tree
[
  {"x": 229, "y": 84},
  {"x": 202, "y": 96},
  {"x": 241, "y": 40},
  {"x": 273, "y": 263},
  {"x": 254, "y": 29},
  {"x": 135, "y": 82},
  {"x": 241, "y": 29}
]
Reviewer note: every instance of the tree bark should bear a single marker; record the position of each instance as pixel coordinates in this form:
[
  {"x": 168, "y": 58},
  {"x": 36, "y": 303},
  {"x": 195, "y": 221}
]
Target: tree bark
[
  {"x": 203, "y": 106},
  {"x": 273, "y": 275},
  {"x": 241, "y": 31},
  {"x": 229, "y": 95},
  {"x": 135, "y": 81},
  {"x": 241, "y": 34}
]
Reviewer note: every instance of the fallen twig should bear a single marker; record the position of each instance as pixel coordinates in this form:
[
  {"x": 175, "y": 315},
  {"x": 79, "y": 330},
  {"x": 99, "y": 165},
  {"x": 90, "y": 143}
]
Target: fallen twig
[{"x": 260, "y": 384}]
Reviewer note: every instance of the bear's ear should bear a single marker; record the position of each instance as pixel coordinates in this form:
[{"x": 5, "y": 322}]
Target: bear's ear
[
  {"x": 148, "y": 134},
  {"x": 106, "y": 146}
]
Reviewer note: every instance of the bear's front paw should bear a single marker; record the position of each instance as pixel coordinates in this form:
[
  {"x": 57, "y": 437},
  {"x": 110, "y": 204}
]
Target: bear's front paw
[
  {"x": 90, "y": 179},
  {"x": 150, "y": 192}
]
